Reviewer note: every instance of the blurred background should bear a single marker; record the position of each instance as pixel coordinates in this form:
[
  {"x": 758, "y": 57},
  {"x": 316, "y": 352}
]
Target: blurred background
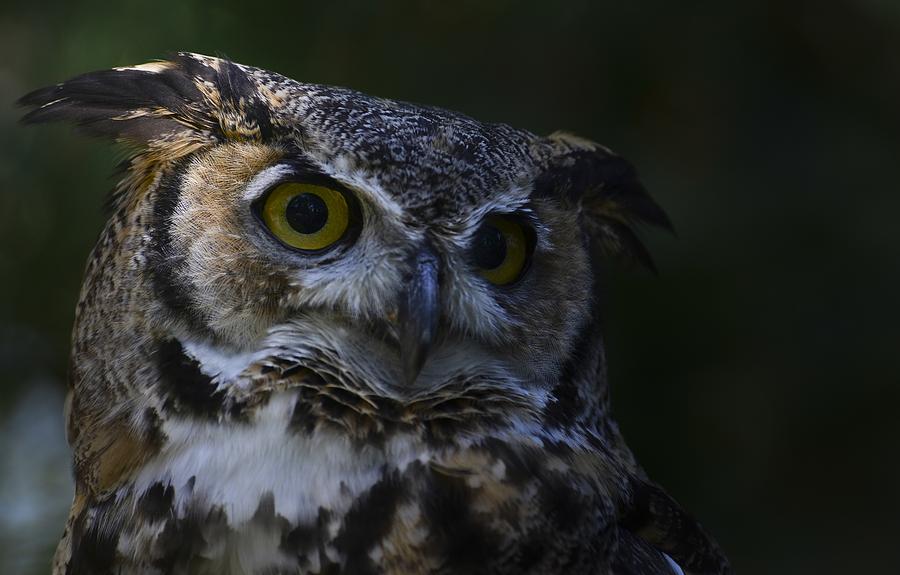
[{"x": 757, "y": 377}]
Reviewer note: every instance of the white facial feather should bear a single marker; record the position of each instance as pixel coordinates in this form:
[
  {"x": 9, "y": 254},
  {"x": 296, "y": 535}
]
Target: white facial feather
[{"x": 221, "y": 364}]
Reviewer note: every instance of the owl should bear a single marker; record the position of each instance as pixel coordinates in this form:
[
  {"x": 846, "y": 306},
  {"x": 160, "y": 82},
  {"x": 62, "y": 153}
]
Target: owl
[{"x": 324, "y": 332}]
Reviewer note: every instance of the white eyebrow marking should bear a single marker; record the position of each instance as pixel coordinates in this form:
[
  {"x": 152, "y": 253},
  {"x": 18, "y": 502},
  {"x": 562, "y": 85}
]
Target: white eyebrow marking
[
  {"x": 261, "y": 181},
  {"x": 341, "y": 169}
]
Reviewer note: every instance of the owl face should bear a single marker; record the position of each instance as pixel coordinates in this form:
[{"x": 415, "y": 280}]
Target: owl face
[
  {"x": 391, "y": 250},
  {"x": 341, "y": 266}
]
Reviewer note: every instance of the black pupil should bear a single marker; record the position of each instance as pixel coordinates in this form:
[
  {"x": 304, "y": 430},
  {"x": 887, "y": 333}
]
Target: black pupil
[
  {"x": 307, "y": 213},
  {"x": 489, "y": 247}
]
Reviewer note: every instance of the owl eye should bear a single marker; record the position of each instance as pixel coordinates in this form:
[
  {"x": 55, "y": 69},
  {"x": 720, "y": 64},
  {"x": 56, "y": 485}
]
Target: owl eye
[
  {"x": 500, "y": 250},
  {"x": 307, "y": 217}
]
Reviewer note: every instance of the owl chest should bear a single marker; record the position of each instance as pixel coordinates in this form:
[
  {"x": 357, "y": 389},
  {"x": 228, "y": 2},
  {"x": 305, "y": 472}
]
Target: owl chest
[
  {"x": 242, "y": 467},
  {"x": 259, "y": 498}
]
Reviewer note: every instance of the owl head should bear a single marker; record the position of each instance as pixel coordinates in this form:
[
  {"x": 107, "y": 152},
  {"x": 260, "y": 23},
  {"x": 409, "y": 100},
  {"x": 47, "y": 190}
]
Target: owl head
[{"x": 397, "y": 261}]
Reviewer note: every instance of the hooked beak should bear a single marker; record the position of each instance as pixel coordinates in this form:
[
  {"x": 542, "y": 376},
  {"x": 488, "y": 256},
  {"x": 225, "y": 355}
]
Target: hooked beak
[{"x": 419, "y": 312}]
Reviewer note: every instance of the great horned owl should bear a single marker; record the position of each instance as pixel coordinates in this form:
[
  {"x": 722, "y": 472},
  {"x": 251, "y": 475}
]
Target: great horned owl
[{"x": 329, "y": 333}]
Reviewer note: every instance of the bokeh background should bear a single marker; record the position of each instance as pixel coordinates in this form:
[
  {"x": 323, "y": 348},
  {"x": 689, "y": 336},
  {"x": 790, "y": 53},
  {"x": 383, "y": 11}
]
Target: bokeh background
[{"x": 757, "y": 377}]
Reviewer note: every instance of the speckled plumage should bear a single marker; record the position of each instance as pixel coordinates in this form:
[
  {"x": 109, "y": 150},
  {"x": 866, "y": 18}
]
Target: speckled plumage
[{"x": 238, "y": 407}]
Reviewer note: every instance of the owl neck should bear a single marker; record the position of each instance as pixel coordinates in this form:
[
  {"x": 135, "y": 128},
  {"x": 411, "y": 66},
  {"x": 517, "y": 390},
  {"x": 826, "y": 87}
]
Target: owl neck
[{"x": 581, "y": 394}]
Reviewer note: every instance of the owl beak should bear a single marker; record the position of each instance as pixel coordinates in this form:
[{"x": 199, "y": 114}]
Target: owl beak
[{"x": 418, "y": 312}]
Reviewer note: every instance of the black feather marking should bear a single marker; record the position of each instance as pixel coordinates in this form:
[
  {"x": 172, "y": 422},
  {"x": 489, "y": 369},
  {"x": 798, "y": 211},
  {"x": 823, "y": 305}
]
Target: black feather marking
[
  {"x": 302, "y": 539},
  {"x": 95, "y": 536},
  {"x": 182, "y": 543},
  {"x": 185, "y": 385},
  {"x": 532, "y": 550},
  {"x": 462, "y": 538},
  {"x": 562, "y": 503},
  {"x": 156, "y": 502},
  {"x": 368, "y": 521},
  {"x": 306, "y": 539},
  {"x": 303, "y": 418},
  {"x": 153, "y": 432},
  {"x": 165, "y": 261}
]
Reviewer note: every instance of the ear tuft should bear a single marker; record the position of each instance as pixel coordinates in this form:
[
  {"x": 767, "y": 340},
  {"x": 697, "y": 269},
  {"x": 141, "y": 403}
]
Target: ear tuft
[
  {"x": 188, "y": 98},
  {"x": 611, "y": 198}
]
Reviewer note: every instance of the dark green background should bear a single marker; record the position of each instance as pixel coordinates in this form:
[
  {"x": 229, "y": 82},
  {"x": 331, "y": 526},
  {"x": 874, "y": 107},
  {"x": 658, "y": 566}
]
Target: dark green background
[{"x": 758, "y": 377}]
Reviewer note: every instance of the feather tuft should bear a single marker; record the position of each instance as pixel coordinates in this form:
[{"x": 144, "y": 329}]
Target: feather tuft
[{"x": 612, "y": 200}]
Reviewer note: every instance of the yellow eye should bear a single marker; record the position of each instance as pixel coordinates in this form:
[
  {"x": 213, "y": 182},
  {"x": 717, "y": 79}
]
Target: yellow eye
[
  {"x": 500, "y": 250},
  {"x": 306, "y": 216}
]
